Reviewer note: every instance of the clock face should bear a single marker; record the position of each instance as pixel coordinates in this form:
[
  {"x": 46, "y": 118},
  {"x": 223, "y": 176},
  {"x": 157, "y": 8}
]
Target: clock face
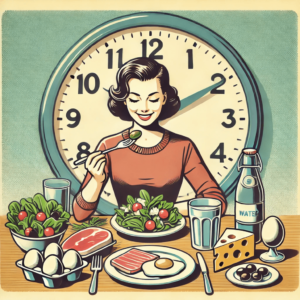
[{"x": 218, "y": 122}]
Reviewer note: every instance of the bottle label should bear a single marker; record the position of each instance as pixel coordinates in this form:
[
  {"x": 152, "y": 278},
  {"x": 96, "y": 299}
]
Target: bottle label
[
  {"x": 249, "y": 181},
  {"x": 249, "y": 213}
]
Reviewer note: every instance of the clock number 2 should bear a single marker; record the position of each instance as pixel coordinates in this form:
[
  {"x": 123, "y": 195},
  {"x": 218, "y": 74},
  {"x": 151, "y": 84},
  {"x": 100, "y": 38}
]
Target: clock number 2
[
  {"x": 220, "y": 156},
  {"x": 215, "y": 90},
  {"x": 87, "y": 83},
  {"x": 153, "y": 53},
  {"x": 229, "y": 117},
  {"x": 83, "y": 149}
]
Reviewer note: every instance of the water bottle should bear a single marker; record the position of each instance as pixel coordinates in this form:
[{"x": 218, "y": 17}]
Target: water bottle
[{"x": 250, "y": 196}]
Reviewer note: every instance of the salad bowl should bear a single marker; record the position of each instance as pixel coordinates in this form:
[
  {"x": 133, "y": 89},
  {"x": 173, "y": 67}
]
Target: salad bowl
[{"x": 40, "y": 243}]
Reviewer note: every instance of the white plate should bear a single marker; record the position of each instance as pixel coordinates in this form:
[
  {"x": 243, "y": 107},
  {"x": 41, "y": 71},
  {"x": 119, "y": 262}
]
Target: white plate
[
  {"x": 140, "y": 278},
  {"x": 115, "y": 225},
  {"x": 234, "y": 278}
]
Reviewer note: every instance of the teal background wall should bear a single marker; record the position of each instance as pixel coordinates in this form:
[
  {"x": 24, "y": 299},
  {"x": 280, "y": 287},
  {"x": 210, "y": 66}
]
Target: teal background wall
[{"x": 34, "y": 41}]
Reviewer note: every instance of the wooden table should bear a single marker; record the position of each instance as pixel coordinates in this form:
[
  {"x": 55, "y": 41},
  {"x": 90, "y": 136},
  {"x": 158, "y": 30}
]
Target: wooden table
[{"x": 12, "y": 278}]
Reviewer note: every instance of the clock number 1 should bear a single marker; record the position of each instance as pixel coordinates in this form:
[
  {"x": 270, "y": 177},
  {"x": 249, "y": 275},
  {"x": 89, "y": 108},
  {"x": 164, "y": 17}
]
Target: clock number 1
[
  {"x": 83, "y": 149},
  {"x": 220, "y": 156},
  {"x": 87, "y": 83},
  {"x": 153, "y": 53}
]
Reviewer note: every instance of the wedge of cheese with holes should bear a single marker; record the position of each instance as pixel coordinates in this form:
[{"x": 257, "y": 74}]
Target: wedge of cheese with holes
[{"x": 233, "y": 246}]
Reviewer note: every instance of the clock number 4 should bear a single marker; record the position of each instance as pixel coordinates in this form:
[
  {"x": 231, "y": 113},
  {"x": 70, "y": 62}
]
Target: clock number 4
[
  {"x": 153, "y": 53},
  {"x": 86, "y": 83},
  {"x": 219, "y": 153},
  {"x": 83, "y": 148}
]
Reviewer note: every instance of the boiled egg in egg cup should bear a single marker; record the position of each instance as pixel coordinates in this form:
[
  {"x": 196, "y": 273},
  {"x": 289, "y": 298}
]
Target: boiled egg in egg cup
[{"x": 162, "y": 267}]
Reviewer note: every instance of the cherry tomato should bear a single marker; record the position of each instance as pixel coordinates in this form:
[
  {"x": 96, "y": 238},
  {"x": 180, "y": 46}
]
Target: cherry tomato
[
  {"x": 22, "y": 215},
  {"x": 41, "y": 216},
  {"x": 150, "y": 225},
  {"x": 49, "y": 231},
  {"x": 163, "y": 214},
  {"x": 137, "y": 206},
  {"x": 29, "y": 231}
]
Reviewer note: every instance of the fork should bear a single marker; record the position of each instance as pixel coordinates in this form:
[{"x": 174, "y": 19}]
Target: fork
[
  {"x": 122, "y": 144},
  {"x": 96, "y": 267}
]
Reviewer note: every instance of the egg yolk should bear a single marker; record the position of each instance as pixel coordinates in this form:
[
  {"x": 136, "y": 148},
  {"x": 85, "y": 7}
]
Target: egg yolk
[{"x": 164, "y": 263}]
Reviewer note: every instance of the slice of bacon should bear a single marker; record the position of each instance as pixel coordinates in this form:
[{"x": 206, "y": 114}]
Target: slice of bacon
[{"x": 132, "y": 260}]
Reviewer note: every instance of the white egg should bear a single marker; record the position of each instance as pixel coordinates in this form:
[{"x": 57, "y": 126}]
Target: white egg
[
  {"x": 273, "y": 232},
  {"x": 33, "y": 258},
  {"x": 38, "y": 269},
  {"x": 150, "y": 269},
  {"x": 67, "y": 271},
  {"x": 53, "y": 265},
  {"x": 72, "y": 259},
  {"x": 53, "y": 249}
]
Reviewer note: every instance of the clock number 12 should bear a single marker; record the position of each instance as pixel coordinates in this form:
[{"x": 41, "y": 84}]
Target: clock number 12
[{"x": 153, "y": 53}]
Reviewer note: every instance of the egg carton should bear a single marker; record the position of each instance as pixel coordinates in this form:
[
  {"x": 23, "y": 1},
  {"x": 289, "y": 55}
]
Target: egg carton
[{"x": 50, "y": 281}]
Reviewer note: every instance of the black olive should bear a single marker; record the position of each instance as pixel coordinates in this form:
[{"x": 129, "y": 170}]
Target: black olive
[
  {"x": 240, "y": 271},
  {"x": 250, "y": 268},
  {"x": 256, "y": 276},
  {"x": 245, "y": 277},
  {"x": 33, "y": 233},
  {"x": 263, "y": 271},
  {"x": 55, "y": 215}
]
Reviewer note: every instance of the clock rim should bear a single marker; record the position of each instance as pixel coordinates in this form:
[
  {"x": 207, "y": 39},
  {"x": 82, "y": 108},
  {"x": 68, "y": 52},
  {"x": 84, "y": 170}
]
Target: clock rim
[{"x": 250, "y": 87}]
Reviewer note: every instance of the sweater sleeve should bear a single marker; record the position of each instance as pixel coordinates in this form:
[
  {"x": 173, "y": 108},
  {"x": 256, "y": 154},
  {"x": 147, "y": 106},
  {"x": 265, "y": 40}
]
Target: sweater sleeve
[
  {"x": 82, "y": 209},
  {"x": 198, "y": 175}
]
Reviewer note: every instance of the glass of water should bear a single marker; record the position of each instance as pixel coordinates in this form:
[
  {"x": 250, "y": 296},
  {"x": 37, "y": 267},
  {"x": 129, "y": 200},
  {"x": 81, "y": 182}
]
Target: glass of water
[
  {"x": 59, "y": 190},
  {"x": 205, "y": 218}
]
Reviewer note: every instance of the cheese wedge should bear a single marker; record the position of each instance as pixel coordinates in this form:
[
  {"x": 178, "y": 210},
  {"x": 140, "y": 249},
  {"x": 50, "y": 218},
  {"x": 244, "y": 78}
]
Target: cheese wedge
[{"x": 233, "y": 246}]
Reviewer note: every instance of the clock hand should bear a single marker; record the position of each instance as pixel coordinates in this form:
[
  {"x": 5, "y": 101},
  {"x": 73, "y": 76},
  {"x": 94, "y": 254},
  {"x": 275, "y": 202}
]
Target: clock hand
[{"x": 192, "y": 98}]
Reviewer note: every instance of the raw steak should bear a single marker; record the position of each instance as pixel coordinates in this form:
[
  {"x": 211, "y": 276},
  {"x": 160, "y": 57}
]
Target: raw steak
[
  {"x": 88, "y": 240},
  {"x": 132, "y": 260}
]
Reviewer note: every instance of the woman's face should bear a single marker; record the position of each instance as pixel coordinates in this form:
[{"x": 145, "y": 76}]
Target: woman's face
[{"x": 145, "y": 100}]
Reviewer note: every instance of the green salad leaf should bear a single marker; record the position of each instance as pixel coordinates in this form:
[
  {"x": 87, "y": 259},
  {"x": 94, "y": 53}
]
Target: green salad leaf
[
  {"x": 32, "y": 206},
  {"x": 14, "y": 208},
  {"x": 136, "y": 220},
  {"x": 94, "y": 222}
]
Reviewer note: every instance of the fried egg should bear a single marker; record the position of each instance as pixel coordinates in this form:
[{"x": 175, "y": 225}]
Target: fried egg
[{"x": 162, "y": 267}]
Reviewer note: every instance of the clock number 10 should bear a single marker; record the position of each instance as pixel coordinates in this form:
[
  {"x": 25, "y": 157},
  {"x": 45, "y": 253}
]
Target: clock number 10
[{"x": 86, "y": 83}]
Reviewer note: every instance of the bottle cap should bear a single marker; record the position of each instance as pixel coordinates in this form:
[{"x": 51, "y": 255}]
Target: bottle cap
[{"x": 250, "y": 151}]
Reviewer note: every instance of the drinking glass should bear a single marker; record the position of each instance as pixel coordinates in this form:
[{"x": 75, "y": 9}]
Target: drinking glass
[
  {"x": 205, "y": 218},
  {"x": 59, "y": 190}
]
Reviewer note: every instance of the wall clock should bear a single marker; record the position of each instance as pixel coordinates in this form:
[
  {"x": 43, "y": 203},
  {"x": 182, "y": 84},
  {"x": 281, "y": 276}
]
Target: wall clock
[{"x": 221, "y": 108}]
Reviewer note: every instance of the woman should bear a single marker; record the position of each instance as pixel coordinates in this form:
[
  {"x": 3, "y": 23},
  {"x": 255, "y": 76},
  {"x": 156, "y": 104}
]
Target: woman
[{"x": 159, "y": 159}]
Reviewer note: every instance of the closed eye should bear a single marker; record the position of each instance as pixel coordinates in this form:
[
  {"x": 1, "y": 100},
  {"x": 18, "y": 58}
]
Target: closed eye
[
  {"x": 134, "y": 101},
  {"x": 153, "y": 101}
]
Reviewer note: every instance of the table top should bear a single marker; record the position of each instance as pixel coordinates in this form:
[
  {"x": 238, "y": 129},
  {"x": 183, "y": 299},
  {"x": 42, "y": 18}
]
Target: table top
[{"x": 288, "y": 269}]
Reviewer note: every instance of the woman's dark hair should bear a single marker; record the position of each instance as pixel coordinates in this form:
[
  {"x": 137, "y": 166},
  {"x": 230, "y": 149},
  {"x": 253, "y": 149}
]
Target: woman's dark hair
[{"x": 143, "y": 69}]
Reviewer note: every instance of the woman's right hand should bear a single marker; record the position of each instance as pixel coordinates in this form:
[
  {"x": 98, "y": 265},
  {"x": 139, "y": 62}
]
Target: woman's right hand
[{"x": 95, "y": 164}]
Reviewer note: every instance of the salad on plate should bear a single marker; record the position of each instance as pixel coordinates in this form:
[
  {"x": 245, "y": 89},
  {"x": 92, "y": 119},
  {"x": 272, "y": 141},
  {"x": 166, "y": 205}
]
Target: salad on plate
[
  {"x": 37, "y": 217},
  {"x": 148, "y": 213}
]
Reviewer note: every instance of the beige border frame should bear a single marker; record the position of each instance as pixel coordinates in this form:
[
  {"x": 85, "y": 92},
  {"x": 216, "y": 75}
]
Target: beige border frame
[{"x": 154, "y": 5}]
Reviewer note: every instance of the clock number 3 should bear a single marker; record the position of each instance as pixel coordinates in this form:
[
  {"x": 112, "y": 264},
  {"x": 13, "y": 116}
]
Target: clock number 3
[
  {"x": 83, "y": 149},
  {"x": 221, "y": 156},
  {"x": 229, "y": 117}
]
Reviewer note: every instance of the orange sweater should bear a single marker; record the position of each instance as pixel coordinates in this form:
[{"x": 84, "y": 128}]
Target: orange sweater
[{"x": 158, "y": 170}]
